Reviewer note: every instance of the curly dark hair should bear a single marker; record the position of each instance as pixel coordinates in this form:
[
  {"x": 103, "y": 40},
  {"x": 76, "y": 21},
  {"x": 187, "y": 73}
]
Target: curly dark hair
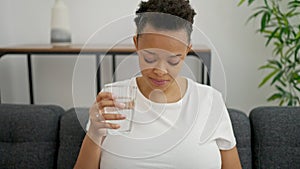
[{"x": 165, "y": 15}]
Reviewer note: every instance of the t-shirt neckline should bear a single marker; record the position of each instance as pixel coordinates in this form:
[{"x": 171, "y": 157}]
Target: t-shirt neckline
[{"x": 179, "y": 102}]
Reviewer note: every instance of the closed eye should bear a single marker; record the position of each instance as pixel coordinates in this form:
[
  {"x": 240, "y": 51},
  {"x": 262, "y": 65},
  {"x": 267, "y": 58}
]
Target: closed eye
[
  {"x": 149, "y": 57},
  {"x": 174, "y": 60},
  {"x": 149, "y": 60},
  {"x": 173, "y": 64}
]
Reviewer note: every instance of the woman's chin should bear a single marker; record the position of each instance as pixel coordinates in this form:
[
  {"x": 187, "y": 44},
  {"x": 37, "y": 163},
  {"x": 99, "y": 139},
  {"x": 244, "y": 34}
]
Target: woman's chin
[{"x": 160, "y": 85}]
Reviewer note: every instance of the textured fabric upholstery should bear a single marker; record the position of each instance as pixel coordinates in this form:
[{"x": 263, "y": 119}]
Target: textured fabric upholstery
[
  {"x": 241, "y": 128},
  {"x": 28, "y": 136},
  {"x": 34, "y": 136},
  {"x": 276, "y": 137},
  {"x": 71, "y": 136}
]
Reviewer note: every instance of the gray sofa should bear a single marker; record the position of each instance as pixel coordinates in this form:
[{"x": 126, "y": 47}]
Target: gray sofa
[{"x": 46, "y": 136}]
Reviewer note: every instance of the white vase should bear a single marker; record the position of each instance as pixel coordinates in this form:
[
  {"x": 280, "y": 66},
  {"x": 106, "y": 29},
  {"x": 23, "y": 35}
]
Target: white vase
[{"x": 60, "y": 25}]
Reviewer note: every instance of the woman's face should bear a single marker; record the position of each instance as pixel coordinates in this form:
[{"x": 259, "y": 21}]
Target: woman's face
[{"x": 161, "y": 55}]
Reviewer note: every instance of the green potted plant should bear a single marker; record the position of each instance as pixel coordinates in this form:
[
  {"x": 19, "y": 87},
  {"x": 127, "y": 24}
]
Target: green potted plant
[{"x": 280, "y": 25}]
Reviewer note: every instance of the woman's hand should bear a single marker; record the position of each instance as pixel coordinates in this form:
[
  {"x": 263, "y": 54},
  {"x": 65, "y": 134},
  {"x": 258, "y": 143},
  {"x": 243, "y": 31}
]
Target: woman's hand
[{"x": 98, "y": 124}]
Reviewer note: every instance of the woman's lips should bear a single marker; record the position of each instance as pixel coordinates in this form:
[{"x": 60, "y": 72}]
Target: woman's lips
[{"x": 159, "y": 82}]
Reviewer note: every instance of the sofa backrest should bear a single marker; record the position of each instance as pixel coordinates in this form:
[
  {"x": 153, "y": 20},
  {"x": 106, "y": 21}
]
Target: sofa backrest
[
  {"x": 276, "y": 137},
  {"x": 29, "y": 136}
]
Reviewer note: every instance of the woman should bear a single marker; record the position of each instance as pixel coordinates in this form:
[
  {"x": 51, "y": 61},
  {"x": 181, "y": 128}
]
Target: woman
[{"x": 194, "y": 130}]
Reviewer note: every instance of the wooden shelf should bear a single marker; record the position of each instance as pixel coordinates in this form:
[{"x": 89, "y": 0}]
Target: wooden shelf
[{"x": 201, "y": 52}]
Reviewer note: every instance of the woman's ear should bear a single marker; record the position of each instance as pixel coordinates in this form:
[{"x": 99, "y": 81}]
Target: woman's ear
[
  {"x": 135, "y": 40},
  {"x": 189, "y": 48}
]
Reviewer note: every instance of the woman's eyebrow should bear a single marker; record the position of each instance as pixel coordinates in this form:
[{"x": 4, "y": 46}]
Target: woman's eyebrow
[
  {"x": 149, "y": 52},
  {"x": 171, "y": 56},
  {"x": 177, "y": 55}
]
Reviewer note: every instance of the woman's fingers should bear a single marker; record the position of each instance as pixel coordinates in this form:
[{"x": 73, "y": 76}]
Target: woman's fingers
[
  {"x": 106, "y": 100},
  {"x": 102, "y": 125},
  {"x": 110, "y": 103},
  {"x": 113, "y": 126},
  {"x": 100, "y": 120},
  {"x": 104, "y": 95},
  {"x": 113, "y": 116},
  {"x": 105, "y": 103},
  {"x": 108, "y": 116}
]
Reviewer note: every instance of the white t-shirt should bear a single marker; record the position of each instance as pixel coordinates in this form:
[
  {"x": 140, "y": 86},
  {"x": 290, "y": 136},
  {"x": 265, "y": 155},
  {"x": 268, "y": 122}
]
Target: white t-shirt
[{"x": 186, "y": 134}]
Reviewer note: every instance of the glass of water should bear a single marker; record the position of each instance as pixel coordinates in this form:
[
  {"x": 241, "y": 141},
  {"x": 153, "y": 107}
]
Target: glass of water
[{"x": 124, "y": 94}]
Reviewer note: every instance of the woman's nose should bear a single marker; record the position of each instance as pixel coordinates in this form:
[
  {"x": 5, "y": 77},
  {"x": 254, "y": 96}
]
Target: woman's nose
[{"x": 160, "y": 69}]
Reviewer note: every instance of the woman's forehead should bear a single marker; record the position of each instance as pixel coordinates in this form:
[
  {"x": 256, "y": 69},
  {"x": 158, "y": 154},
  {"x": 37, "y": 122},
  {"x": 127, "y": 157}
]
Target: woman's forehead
[
  {"x": 179, "y": 35},
  {"x": 174, "y": 40}
]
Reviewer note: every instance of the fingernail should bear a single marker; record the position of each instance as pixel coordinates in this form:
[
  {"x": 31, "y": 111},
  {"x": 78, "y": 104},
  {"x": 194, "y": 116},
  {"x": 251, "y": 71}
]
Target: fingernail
[
  {"x": 122, "y": 116},
  {"x": 113, "y": 96},
  {"x": 121, "y": 105},
  {"x": 116, "y": 126}
]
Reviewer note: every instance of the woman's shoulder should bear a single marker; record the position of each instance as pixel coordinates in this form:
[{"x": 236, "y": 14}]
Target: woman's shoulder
[{"x": 203, "y": 87}]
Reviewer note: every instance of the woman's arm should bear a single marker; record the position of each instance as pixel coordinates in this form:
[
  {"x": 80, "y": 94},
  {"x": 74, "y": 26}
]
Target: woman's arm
[
  {"x": 230, "y": 159},
  {"x": 90, "y": 152},
  {"x": 89, "y": 155}
]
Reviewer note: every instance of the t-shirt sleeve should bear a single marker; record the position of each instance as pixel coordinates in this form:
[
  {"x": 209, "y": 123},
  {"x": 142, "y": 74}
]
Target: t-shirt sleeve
[
  {"x": 218, "y": 125},
  {"x": 224, "y": 134}
]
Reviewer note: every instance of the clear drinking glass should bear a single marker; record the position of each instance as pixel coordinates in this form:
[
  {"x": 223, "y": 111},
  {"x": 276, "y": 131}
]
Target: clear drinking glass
[{"x": 124, "y": 94}]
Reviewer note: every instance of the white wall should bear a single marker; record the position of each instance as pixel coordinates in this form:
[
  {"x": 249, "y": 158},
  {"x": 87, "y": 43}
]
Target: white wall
[{"x": 241, "y": 51}]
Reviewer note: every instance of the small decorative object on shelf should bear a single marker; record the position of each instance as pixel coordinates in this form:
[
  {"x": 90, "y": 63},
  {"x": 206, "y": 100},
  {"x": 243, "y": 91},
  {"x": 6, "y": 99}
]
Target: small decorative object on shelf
[{"x": 60, "y": 25}]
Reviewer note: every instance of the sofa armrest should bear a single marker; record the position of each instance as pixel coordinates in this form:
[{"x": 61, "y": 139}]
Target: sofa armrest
[
  {"x": 71, "y": 135},
  {"x": 29, "y": 136},
  {"x": 241, "y": 128}
]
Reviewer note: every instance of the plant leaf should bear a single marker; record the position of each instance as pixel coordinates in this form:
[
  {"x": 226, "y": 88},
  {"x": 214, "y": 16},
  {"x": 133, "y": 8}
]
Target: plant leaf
[
  {"x": 274, "y": 97},
  {"x": 267, "y": 67},
  {"x": 281, "y": 82},
  {"x": 281, "y": 102},
  {"x": 290, "y": 51},
  {"x": 278, "y": 48},
  {"x": 298, "y": 35},
  {"x": 241, "y": 2},
  {"x": 290, "y": 103},
  {"x": 250, "y": 2},
  {"x": 278, "y": 76},
  {"x": 264, "y": 21},
  {"x": 255, "y": 15},
  {"x": 296, "y": 54},
  {"x": 280, "y": 89},
  {"x": 271, "y": 36},
  {"x": 275, "y": 62},
  {"x": 297, "y": 88},
  {"x": 267, "y": 77},
  {"x": 294, "y": 4},
  {"x": 266, "y": 3}
]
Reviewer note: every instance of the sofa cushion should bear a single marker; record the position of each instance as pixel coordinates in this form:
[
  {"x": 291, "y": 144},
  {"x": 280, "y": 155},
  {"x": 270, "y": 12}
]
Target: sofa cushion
[
  {"x": 241, "y": 128},
  {"x": 276, "y": 137},
  {"x": 71, "y": 136},
  {"x": 28, "y": 136}
]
